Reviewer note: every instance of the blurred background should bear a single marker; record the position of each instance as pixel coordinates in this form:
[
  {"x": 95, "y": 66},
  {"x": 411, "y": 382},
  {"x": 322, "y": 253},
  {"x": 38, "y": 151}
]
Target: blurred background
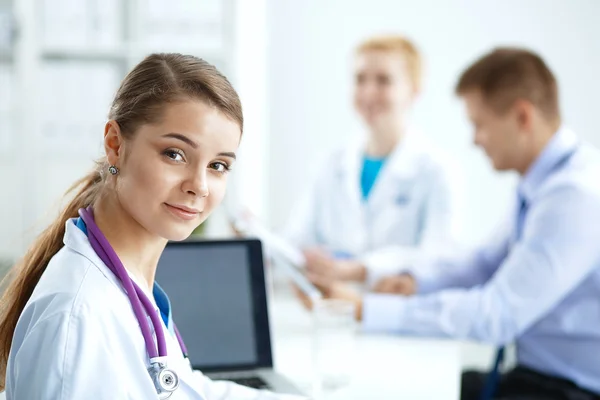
[
  {"x": 60, "y": 65},
  {"x": 61, "y": 62}
]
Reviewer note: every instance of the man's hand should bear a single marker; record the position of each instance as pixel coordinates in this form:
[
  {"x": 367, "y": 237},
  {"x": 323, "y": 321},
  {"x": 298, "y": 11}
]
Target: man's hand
[
  {"x": 332, "y": 290},
  {"x": 319, "y": 263},
  {"x": 403, "y": 284}
]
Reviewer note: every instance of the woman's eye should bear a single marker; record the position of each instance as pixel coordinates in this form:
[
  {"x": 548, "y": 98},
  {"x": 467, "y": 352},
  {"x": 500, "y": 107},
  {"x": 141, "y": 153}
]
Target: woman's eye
[
  {"x": 383, "y": 80},
  {"x": 174, "y": 155},
  {"x": 220, "y": 167}
]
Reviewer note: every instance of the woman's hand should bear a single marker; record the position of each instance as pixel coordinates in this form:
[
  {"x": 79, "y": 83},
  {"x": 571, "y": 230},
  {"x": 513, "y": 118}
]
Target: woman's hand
[
  {"x": 333, "y": 290},
  {"x": 321, "y": 264}
]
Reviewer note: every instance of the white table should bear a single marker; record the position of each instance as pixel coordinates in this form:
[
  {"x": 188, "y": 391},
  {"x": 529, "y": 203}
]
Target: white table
[{"x": 386, "y": 367}]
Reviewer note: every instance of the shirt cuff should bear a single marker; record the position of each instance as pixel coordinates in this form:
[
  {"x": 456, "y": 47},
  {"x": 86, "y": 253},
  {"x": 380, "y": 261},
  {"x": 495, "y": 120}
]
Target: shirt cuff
[{"x": 382, "y": 313}]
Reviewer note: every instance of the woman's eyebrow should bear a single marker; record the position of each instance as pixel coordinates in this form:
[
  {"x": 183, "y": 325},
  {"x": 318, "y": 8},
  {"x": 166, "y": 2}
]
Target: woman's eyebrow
[
  {"x": 183, "y": 138},
  {"x": 228, "y": 154}
]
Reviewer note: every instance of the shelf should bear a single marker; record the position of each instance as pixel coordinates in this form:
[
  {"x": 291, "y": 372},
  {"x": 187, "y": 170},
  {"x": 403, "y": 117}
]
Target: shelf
[
  {"x": 85, "y": 53},
  {"x": 54, "y": 43},
  {"x": 209, "y": 52},
  {"x": 123, "y": 54}
]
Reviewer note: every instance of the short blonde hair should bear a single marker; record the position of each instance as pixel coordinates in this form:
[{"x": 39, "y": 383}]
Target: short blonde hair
[{"x": 400, "y": 45}]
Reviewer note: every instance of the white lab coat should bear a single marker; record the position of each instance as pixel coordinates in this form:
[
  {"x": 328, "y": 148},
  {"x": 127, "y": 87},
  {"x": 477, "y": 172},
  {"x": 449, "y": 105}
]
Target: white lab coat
[
  {"x": 413, "y": 210},
  {"x": 78, "y": 338}
]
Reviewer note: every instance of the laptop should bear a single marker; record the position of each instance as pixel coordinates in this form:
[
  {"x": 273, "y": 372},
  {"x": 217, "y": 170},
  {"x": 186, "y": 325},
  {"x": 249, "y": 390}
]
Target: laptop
[{"x": 219, "y": 302}]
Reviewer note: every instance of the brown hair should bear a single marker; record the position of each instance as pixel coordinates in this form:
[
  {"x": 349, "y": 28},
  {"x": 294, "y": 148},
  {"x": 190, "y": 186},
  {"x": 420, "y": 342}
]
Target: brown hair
[
  {"x": 507, "y": 74},
  {"x": 402, "y": 46},
  {"x": 157, "y": 80}
]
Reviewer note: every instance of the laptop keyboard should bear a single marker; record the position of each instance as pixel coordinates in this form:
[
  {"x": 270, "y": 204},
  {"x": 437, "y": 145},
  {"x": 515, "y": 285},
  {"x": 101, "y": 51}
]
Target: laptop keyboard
[{"x": 253, "y": 382}]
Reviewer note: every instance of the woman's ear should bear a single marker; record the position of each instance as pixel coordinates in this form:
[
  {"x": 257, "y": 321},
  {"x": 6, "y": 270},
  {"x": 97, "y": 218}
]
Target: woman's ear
[
  {"x": 415, "y": 92},
  {"x": 113, "y": 142}
]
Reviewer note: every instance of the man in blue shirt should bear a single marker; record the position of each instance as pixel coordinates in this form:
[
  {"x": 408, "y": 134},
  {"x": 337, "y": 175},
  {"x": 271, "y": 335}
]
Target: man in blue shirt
[{"x": 536, "y": 282}]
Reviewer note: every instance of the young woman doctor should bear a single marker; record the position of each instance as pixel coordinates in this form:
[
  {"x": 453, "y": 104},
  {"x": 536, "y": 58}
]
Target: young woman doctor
[
  {"x": 79, "y": 319},
  {"x": 386, "y": 200}
]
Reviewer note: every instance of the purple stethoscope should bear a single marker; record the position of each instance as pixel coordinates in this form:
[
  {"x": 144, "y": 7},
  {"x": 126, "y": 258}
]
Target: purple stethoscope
[{"x": 165, "y": 380}]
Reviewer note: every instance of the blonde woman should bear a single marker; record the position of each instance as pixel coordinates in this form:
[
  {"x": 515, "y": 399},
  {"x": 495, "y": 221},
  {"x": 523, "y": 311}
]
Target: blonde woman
[{"x": 383, "y": 202}]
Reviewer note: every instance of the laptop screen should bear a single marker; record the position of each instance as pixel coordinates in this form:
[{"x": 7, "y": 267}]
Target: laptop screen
[{"x": 218, "y": 302}]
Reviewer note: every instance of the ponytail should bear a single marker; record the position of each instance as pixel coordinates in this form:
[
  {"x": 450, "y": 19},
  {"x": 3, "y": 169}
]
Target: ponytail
[{"x": 25, "y": 275}]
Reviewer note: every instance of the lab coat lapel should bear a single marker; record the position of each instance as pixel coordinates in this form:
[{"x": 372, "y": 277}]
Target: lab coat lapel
[
  {"x": 351, "y": 168},
  {"x": 77, "y": 241},
  {"x": 399, "y": 171}
]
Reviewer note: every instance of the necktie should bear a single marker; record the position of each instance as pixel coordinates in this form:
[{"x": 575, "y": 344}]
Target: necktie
[{"x": 492, "y": 380}]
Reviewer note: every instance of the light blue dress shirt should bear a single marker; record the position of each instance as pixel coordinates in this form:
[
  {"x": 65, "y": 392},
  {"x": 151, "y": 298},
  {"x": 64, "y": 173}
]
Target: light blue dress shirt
[{"x": 542, "y": 291}]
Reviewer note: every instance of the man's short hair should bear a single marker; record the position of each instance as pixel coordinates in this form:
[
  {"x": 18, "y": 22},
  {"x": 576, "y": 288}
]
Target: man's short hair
[{"x": 506, "y": 75}]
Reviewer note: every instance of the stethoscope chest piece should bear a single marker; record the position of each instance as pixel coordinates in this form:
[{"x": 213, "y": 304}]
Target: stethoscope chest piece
[{"x": 165, "y": 379}]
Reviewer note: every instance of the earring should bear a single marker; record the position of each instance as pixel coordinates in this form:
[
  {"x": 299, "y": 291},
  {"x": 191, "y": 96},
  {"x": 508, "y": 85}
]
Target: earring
[{"x": 113, "y": 170}]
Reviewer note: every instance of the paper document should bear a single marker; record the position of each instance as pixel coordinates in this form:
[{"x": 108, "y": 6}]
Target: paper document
[
  {"x": 285, "y": 255},
  {"x": 298, "y": 278},
  {"x": 251, "y": 226}
]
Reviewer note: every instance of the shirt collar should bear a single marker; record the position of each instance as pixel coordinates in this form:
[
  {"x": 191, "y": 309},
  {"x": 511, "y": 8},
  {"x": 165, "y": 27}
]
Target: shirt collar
[
  {"x": 562, "y": 144},
  {"x": 76, "y": 239}
]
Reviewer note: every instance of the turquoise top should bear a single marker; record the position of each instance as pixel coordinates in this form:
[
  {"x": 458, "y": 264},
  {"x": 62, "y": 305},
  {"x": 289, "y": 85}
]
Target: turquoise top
[{"x": 370, "y": 171}]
